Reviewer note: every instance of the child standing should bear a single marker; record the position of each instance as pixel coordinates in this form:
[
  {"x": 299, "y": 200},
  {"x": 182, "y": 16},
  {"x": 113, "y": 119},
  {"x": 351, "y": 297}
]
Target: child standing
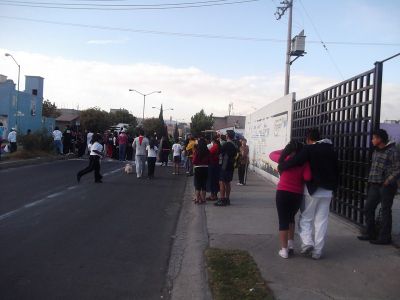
[
  {"x": 289, "y": 195},
  {"x": 151, "y": 158},
  {"x": 176, "y": 150}
]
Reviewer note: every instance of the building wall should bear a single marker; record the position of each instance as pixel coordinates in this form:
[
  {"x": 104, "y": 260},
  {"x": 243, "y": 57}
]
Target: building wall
[{"x": 23, "y": 109}]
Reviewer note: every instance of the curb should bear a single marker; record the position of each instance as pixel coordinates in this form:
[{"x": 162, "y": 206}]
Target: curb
[
  {"x": 186, "y": 277},
  {"x": 31, "y": 161}
]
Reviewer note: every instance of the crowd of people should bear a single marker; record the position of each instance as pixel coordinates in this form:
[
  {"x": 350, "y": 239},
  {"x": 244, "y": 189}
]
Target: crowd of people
[{"x": 210, "y": 161}]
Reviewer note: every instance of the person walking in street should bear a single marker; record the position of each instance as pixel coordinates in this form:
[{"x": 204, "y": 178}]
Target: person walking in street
[
  {"x": 318, "y": 194},
  {"x": 96, "y": 152},
  {"x": 382, "y": 181},
  {"x": 189, "y": 154},
  {"x": 243, "y": 161},
  {"x": 151, "y": 158},
  {"x": 176, "y": 154},
  {"x": 227, "y": 164},
  {"x": 289, "y": 195},
  {"x": 57, "y": 137},
  {"x": 201, "y": 160},
  {"x": 213, "y": 170},
  {"x": 165, "y": 146},
  {"x": 139, "y": 145},
  {"x": 122, "y": 141},
  {"x": 89, "y": 137},
  {"x": 115, "y": 147}
]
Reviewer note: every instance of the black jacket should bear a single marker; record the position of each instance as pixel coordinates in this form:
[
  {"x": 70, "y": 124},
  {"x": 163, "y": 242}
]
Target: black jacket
[{"x": 323, "y": 164}]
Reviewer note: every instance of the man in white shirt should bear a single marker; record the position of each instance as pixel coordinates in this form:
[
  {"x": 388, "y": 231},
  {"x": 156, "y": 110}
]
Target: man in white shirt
[
  {"x": 139, "y": 145},
  {"x": 57, "y": 136},
  {"x": 96, "y": 152},
  {"x": 176, "y": 151},
  {"x": 89, "y": 140},
  {"x": 12, "y": 139}
]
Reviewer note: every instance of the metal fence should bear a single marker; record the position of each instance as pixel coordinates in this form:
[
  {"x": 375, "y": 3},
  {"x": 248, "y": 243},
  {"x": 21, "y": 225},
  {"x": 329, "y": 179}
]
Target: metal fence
[{"x": 346, "y": 113}]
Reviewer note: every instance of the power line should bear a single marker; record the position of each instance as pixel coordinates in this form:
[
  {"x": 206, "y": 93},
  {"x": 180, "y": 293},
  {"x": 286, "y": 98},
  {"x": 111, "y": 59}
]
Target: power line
[
  {"x": 108, "y": 4},
  {"x": 143, "y": 7},
  {"x": 193, "y": 35},
  {"x": 321, "y": 41}
]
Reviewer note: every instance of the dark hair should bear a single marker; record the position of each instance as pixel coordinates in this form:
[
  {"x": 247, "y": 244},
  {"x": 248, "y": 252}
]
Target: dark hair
[
  {"x": 230, "y": 134},
  {"x": 202, "y": 150},
  {"x": 292, "y": 147},
  {"x": 382, "y": 134},
  {"x": 96, "y": 137},
  {"x": 151, "y": 143},
  {"x": 313, "y": 134},
  {"x": 141, "y": 131},
  {"x": 56, "y": 128}
]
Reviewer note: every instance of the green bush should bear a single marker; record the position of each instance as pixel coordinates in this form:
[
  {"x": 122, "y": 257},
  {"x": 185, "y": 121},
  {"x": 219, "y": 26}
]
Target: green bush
[{"x": 39, "y": 140}]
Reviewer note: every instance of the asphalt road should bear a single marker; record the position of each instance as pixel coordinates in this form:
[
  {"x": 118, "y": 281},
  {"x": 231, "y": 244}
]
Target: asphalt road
[{"x": 61, "y": 240}]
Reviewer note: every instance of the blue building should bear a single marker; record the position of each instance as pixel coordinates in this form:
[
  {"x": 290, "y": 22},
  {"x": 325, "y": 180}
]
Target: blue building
[{"x": 23, "y": 110}]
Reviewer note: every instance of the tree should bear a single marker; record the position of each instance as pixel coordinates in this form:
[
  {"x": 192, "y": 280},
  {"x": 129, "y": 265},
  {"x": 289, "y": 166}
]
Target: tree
[
  {"x": 95, "y": 119},
  {"x": 123, "y": 116},
  {"x": 152, "y": 125},
  {"x": 201, "y": 122},
  {"x": 49, "y": 109}
]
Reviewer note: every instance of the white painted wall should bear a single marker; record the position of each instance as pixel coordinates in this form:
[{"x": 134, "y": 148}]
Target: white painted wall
[{"x": 268, "y": 129}]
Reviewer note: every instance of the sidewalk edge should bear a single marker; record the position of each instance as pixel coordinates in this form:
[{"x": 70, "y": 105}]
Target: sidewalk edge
[{"x": 186, "y": 277}]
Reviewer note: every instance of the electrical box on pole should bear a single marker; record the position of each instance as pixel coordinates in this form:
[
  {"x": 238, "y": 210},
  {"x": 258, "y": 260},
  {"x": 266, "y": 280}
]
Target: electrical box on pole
[{"x": 298, "y": 45}]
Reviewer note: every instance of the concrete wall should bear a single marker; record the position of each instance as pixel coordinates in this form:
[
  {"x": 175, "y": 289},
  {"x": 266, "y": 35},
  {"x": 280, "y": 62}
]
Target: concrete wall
[{"x": 268, "y": 129}]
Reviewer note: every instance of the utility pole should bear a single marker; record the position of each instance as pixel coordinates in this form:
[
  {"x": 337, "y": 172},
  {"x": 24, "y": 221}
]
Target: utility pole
[{"x": 280, "y": 11}]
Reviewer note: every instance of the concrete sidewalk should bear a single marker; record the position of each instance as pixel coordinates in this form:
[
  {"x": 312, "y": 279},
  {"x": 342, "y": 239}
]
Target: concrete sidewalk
[{"x": 349, "y": 269}]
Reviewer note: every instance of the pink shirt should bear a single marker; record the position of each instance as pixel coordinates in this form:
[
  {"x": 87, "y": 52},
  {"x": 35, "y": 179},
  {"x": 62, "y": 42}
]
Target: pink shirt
[
  {"x": 122, "y": 139},
  {"x": 292, "y": 180}
]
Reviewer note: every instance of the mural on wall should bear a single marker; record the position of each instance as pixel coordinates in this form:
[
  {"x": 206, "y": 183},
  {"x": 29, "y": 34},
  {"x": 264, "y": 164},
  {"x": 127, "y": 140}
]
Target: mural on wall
[{"x": 267, "y": 130}]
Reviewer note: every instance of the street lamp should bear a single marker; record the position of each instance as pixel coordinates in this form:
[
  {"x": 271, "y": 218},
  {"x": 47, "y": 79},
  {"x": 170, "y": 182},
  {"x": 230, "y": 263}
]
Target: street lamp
[
  {"x": 16, "y": 104},
  {"x": 163, "y": 108},
  {"x": 144, "y": 98}
]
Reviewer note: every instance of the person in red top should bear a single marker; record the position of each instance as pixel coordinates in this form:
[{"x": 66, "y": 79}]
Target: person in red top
[
  {"x": 213, "y": 170},
  {"x": 122, "y": 142},
  {"x": 201, "y": 160},
  {"x": 289, "y": 195}
]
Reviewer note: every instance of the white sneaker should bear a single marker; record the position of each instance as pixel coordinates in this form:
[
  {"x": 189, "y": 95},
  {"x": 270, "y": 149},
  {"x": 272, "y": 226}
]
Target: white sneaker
[
  {"x": 239, "y": 183},
  {"x": 315, "y": 255},
  {"x": 283, "y": 253}
]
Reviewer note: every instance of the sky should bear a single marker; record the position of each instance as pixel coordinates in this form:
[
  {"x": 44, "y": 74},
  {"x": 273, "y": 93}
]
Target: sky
[{"x": 199, "y": 57}]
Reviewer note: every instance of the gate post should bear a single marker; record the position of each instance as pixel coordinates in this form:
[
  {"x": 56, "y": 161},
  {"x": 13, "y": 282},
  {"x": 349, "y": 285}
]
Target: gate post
[{"x": 376, "y": 102}]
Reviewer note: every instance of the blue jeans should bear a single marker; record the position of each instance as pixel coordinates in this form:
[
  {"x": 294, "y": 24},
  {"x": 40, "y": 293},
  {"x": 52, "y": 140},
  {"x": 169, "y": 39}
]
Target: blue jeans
[
  {"x": 122, "y": 151},
  {"x": 58, "y": 147}
]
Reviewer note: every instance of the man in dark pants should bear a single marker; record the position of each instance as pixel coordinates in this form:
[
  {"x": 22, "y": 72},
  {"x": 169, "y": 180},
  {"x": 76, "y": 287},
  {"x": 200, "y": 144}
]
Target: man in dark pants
[
  {"x": 382, "y": 180},
  {"x": 227, "y": 163},
  {"x": 96, "y": 152}
]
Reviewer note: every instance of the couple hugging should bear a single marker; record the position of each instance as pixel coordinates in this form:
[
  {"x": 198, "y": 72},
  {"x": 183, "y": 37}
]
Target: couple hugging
[{"x": 315, "y": 165}]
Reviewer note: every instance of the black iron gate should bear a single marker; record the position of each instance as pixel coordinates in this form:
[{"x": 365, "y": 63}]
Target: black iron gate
[{"x": 346, "y": 113}]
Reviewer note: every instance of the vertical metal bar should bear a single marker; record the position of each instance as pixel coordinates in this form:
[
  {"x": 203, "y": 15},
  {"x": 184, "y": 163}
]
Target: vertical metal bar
[{"x": 376, "y": 103}]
